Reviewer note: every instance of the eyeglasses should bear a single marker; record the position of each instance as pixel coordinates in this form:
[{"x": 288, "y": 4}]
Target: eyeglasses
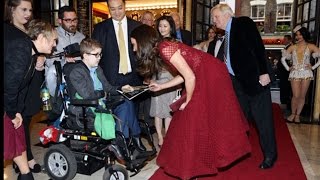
[
  {"x": 97, "y": 55},
  {"x": 75, "y": 20}
]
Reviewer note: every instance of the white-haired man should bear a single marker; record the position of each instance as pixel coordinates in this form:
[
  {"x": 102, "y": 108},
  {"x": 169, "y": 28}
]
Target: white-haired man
[{"x": 250, "y": 73}]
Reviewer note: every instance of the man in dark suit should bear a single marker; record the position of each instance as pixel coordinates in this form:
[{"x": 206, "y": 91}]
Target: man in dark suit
[
  {"x": 285, "y": 87},
  {"x": 250, "y": 73},
  {"x": 215, "y": 47},
  {"x": 184, "y": 36},
  {"x": 119, "y": 64}
]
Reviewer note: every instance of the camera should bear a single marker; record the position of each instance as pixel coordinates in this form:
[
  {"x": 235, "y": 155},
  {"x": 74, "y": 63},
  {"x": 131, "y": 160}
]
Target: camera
[{"x": 72, "y": 50}]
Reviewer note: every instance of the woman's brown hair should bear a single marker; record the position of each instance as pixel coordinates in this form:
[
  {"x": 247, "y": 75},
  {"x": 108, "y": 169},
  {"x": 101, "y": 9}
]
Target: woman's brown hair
[{"x": 149, "y": 62}]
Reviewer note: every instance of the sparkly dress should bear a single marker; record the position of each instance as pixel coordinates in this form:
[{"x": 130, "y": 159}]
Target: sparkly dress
[
  {"x": 299, "y": 62},
  {"x": 210, "y": 132}
]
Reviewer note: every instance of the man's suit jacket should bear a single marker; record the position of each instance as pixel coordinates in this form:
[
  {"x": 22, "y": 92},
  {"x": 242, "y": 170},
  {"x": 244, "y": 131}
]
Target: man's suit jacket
[
  {"x": 104, "y": 32},
  {"x": 247, "y": 55},
  {"x": 186, "y": 37},
  {"x": 212, "y": 46}
]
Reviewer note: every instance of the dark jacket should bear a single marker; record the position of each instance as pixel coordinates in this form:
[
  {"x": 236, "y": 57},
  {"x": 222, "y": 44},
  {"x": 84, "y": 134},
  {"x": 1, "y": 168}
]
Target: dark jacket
[
  {"x": 18, "y": 69},
  {"x": 186, "y": 37},
  {"x": 79, "y": 81},
  {"x": 247, "y": 55},
  {"x": 82, "y": 83},
  {"x": 33, "y": 99},
  {"x": 104, "y": 32},
  {"x": 212, "y": 46}
]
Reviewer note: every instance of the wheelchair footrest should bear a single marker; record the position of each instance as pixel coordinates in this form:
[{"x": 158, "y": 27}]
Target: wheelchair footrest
[
  {"x": 88, "y": 165},
  {"x": 136, "y": 164}
]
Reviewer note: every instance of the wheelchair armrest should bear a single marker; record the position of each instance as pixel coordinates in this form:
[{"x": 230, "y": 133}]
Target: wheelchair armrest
[
  {"x": 102, "y": 110},
  {"x": 85, "y": 102},
  {"x": 112, "y": 103}
]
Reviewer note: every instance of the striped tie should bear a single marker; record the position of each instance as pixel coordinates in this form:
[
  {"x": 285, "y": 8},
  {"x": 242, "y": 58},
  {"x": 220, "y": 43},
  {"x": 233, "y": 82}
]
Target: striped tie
[{"x": 226, "y": 41}]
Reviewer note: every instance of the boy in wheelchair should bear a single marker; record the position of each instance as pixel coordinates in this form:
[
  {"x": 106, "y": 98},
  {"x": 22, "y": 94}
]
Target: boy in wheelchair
[{"x": 85, "y": 80}]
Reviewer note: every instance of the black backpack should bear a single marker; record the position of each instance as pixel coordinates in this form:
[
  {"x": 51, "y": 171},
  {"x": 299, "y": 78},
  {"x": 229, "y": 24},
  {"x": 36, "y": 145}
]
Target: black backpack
[{"x": 56, "y": 100}]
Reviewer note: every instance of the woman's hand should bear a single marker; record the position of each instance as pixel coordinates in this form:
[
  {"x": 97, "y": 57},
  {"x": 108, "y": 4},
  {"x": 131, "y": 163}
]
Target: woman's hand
[
  {"x": 40, "y": 63},
  {"x": 127, "y": 88},
  {"x": 153, "y": 86},
  {"x": 17, "y": 121},
  {"x": 183, "y": 105},
  {"x": 292, "y": 68},
  {"x": 308, "y": 66}
]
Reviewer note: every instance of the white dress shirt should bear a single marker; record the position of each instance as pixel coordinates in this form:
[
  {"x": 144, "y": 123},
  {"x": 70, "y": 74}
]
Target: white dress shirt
[
  {"x": 217, "y": 47},
  {"x": 124, "y": 25}
]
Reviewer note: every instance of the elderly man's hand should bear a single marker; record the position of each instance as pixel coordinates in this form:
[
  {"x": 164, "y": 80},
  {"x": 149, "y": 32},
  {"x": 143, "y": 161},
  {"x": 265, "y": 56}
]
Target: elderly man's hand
[{"x": 264, "y": 79}]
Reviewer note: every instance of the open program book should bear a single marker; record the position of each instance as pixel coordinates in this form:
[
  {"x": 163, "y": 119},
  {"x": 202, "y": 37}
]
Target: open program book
[{"x": 137, "y": 91}]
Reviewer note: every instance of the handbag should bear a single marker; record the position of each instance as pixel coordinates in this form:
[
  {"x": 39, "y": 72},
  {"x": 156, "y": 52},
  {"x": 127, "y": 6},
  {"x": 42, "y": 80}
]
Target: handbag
[
  {"x": 177, "y": 104},
  {"x": 105, "y": 126}
]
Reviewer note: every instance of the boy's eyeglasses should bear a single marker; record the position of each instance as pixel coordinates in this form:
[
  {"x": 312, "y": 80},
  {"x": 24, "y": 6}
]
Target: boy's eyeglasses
[{"x": 97, "y": 55}]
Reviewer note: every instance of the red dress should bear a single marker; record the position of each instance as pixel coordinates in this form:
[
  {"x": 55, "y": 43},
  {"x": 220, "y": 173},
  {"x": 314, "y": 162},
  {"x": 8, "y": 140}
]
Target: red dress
[
  {"x": 210, "y": 132},
  {"x": 14, "y": 139}
]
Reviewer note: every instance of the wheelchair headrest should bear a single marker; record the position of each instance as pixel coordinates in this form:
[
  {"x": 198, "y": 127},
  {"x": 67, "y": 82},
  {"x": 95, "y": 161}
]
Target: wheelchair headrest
[
  {"x": 67, "y": 68},
  {"x": 72, "y": 50}
]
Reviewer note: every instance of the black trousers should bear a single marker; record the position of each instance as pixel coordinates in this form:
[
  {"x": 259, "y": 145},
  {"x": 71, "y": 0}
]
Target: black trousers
[
  {"x": 285, "y": 87},
  {"x": 259, "y": 109},
  {"x": 26, "y": 124},
  {"x": 143, "y": 104}
]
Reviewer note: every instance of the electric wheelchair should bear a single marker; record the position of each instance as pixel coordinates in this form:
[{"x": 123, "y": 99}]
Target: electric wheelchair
[{"x": 82, "y": 150}]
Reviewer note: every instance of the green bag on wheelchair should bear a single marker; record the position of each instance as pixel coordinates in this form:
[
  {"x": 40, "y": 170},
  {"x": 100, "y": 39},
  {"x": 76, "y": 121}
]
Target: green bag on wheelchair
[{"x": 105, "y": 126}]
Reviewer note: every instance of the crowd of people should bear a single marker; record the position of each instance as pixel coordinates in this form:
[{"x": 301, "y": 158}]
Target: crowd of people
[{"x": 159, "y": 53}]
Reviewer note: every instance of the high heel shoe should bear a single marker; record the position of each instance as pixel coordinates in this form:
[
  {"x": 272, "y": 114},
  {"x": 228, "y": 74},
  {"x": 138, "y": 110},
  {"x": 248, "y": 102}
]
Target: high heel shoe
[
  {"x": 16, "y": 168},
  {"x": 297, "y": 119},
  {"x": 36, "y": 168},
  {"x": 290, "y": 119}
]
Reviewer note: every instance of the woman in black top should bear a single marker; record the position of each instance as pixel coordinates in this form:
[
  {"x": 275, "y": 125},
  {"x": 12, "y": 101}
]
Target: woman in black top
[
  {"x": 20, "y": 64},
  {"x": 17, "y": 15}
]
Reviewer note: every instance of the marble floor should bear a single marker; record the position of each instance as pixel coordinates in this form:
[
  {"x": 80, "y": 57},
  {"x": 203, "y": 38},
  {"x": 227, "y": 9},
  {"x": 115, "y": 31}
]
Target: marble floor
[{"x": 306, "y": 138}]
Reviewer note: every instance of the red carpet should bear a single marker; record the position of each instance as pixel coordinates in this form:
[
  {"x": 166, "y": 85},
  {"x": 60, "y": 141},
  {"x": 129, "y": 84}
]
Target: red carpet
[{"x": 287, "y": 167}]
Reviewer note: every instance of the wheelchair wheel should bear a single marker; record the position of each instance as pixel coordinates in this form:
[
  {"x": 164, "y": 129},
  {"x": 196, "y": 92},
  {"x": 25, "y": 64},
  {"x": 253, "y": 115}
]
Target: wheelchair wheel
[
  {"x": 115, "y": 172},
  {"x": 60, "y": 163}
]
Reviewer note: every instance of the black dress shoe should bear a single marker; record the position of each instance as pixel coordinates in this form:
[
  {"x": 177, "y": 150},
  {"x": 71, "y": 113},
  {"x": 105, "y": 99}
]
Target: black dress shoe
[
  {"x": 267, "y": 163},
  {"x": 145, "y": 154},
  {"x": 138, "y": 144},
  {"x": 36, "y": 168},
  {"x": 28, "y": 176}
]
